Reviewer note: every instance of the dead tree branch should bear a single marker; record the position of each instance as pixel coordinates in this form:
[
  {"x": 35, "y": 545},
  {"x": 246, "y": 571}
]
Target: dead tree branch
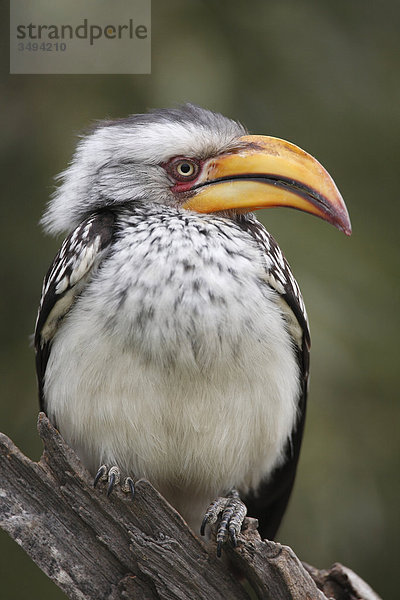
[{"x": 96, "y": 548}]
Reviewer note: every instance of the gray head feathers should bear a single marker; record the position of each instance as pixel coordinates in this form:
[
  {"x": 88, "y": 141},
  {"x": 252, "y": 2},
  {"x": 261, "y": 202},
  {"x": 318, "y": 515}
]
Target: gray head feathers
[{"x": 119, "y": 161}]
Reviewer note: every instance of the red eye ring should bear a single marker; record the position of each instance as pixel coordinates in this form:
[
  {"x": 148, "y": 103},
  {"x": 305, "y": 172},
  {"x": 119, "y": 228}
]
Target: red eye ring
[{"x": 183, "y": 169}]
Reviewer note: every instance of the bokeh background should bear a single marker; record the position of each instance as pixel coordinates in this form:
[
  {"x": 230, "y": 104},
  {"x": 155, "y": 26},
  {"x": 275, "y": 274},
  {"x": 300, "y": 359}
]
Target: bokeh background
[{"x": 325, "y": 75}]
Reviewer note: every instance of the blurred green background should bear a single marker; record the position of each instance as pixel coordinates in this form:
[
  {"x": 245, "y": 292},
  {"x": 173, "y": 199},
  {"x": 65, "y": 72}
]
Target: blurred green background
[{"x": 326, "y": 76}]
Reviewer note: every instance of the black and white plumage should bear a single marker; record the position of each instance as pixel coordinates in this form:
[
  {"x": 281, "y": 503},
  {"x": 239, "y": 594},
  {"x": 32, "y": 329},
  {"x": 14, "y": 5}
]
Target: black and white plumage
[{"x": 172, "y": 339}]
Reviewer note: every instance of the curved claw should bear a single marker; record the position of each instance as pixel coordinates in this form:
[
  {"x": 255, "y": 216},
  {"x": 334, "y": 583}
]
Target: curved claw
[
  {"x": 113, "y": 479},
  {"x": 111, "y": 483},
  {"x": 101, "y": 474},
  {"x": 203, "y": 525},
  {"x": 132, "y": 487},
  {"x": 129, "y": 487}
]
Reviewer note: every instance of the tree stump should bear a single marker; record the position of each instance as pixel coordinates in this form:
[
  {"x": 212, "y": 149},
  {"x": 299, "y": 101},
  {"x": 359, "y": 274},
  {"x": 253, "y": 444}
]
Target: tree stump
[{"x": 115, "y": 548}]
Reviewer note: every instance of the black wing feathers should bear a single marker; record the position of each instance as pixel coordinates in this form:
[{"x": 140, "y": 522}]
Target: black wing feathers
[
  {"x": 79, "y": 254},
  {"x": 269, "y": 503}
]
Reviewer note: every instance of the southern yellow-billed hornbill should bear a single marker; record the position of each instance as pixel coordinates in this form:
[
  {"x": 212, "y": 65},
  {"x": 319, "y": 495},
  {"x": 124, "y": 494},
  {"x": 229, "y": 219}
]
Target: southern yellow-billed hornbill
[{"x": 172, "y": 340}]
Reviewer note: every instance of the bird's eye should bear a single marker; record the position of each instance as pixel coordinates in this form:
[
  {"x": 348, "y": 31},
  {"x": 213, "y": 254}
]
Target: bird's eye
[{"x": 184, "y": 169}]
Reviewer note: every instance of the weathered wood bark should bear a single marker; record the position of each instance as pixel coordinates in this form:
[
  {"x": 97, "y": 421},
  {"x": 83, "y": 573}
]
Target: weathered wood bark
[{"x": 114, "y": 548}]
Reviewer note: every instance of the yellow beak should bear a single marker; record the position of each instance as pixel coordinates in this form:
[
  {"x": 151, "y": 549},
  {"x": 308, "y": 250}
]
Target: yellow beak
[{"x": 266, "y": 172}]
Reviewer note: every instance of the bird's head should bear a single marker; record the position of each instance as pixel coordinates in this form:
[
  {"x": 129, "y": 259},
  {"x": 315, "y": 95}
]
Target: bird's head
[{"x": 193, "y": 159}]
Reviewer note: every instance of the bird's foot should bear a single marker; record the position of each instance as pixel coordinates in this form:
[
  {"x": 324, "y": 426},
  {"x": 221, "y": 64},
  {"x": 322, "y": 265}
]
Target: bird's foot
[
  {"x": 113, "y": 477},
  {"x": 232, "y": 511}
]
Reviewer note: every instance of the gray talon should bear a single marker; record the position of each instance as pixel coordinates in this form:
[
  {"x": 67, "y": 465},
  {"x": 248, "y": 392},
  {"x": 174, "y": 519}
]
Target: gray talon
[
  {"x": 113, "y": 476},
  {"x": 213, "y": 511},
  {"x": 232, "y": 511},
  {"x": 129, "y": 487}
]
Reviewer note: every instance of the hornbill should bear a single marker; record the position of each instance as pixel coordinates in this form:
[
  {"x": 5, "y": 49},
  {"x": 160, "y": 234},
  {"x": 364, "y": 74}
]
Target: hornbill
[{"x": 172, "y": 340}]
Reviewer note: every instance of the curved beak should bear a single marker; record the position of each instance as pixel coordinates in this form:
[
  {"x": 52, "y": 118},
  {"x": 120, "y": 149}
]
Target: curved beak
[{"x": 264, "y": 172}]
